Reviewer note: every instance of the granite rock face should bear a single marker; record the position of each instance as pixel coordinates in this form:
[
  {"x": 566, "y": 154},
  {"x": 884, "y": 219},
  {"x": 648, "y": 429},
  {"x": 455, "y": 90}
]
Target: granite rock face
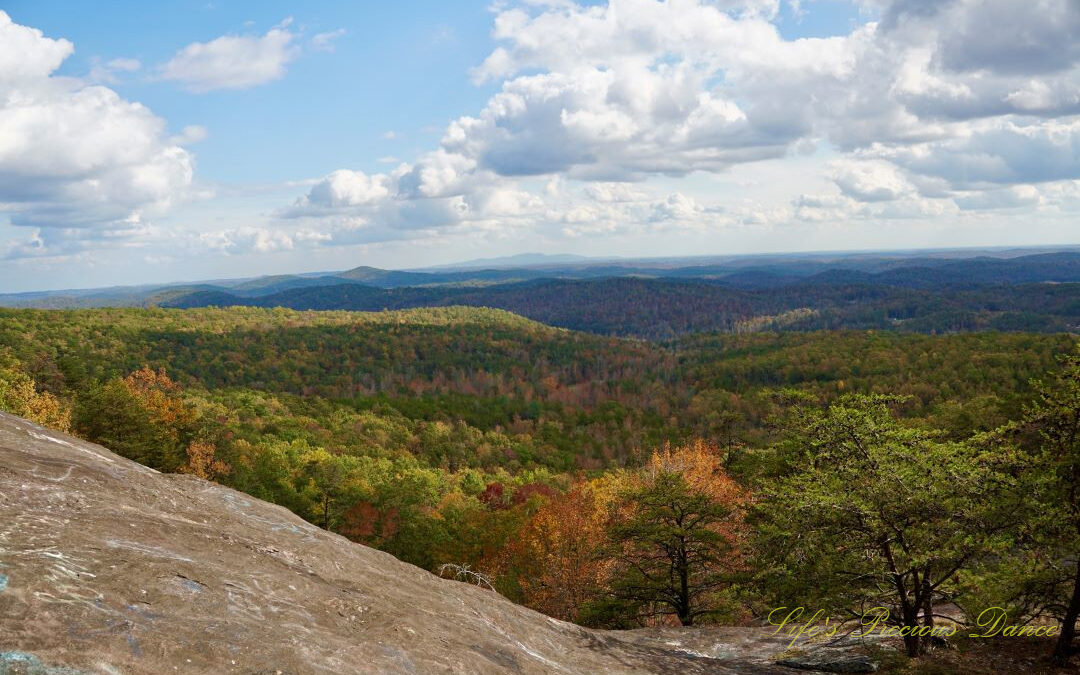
[{"x": 109, "y": 567}]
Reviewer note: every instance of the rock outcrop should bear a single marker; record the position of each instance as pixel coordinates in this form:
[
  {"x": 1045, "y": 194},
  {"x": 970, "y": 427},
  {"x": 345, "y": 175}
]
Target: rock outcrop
[{"x": 107, "y": 566}]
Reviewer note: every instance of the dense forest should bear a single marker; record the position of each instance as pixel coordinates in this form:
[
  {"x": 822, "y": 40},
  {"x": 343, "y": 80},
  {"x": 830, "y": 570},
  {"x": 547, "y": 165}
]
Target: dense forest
[
  {"x": 664, "y": 308},
  {"x": 553, "y": 465}
]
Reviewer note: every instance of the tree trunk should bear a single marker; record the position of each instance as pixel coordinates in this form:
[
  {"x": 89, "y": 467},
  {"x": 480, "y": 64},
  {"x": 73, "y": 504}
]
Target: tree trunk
[
  {"x": 909, "y": 608},
  {"x": 1063, "y": 649},
  {"x": 685, "y": 616},
  {"x": 927, "y": 600},
  {"x": 912, "y": 643}
]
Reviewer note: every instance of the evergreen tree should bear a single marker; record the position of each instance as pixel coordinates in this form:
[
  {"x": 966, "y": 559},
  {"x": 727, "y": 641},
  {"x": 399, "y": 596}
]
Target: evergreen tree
[{"x": 671, "y": 555}]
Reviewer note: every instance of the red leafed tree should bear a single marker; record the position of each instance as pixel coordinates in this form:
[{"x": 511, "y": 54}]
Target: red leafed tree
[{"x": 365, "y": 522}]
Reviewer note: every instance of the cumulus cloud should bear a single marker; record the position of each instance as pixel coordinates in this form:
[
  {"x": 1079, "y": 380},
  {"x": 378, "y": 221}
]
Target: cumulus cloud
[
  {"x": 28, "y": 55},
  {"x": 676, "y": 206},
  {"x": 939, "y": 107},
  {"x": 234, "y": 61},
  {"x": 641, "y": 87},
  {"x": 77, "y": 161},
  {"x": 1016, "y": 196},
  {"x": 347, "y": 188},
  {"x": 870, "y": 181},
  {"x": 1009, "y": 37},
  {"x": 997, "y": 152},
  {"x": 246, "y": 240}
]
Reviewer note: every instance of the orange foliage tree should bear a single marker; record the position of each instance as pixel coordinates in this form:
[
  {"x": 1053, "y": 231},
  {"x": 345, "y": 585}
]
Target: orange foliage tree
[
  {"x": 557, "y": 555},
  {"x": 599, "y": 553},
  {"x": 203, "y": 462},
  {"x": 160, "y": 396},
  {"x": 143, "y": 417}
]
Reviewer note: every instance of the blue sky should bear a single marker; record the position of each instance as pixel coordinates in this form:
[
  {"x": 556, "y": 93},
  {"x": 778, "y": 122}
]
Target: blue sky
[
  {"x": 400, "y": 68},
  {"x": 395, "y": 68},
  {"x": 150, "y": 142}
]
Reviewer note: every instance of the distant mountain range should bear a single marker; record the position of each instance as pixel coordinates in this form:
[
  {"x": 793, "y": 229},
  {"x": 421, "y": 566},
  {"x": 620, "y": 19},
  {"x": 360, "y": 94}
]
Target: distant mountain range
[{"x": 661, "y": 299}]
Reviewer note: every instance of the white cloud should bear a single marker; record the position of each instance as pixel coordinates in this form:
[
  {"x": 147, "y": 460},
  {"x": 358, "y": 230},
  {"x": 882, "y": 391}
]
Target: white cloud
[
  {"x": 1016, "y": 196},
  {"x": 824, "y": 208},
  {"x": 77, "y": 161},
  {"x": 999, "y": 151},
  {"x": 348, "y": 188},
  {"x": 870, "y": 181},
  {"x": 615, "y": 192},
  {"x": 1009, "y": 37},
  {"x": 233, "y": 61},
  {"x": 676, "y": 206},
  {"x": 602, "y": 117},
  {"x": 438, "y": 174},
  {"x": 26, "y": 54},
  {"x": 325, "y": 41},
  {"x": 243, "y": 240},
  {"x": 105, "y": 73},
  {"x": 193, "y": 133},
  {"x": 125, "y": 65},
  {"x": 643, "y": 87}
]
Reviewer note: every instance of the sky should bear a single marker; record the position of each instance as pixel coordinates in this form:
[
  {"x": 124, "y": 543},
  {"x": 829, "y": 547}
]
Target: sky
[{"x": 181, "y": 140}]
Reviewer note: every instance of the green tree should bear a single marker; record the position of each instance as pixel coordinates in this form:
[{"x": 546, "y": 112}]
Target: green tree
[
  {"x": 111, "y": 415},
  {"x": 1052, "y": 427},
  {"x": 142, "y": 417},
  {"x": 870, "y": 513},
  {"x": 670, "y": 553},
  {"x": 327, "y": 485}
]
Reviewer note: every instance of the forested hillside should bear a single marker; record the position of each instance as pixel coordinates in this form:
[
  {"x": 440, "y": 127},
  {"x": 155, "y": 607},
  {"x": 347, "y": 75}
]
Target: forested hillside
[
  {"x": 589, "y": 398},
  {"x": 661, "y": 308},
  {"x": 477, "y": 442}
]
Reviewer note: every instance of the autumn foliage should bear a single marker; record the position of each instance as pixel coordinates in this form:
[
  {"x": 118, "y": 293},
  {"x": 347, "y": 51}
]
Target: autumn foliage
[
  {"x": 19, "y": 395},
  {"x": 557, "y": 556},
  {"x": 701, "y": 465},
  {"x": 159, "y": 396},
  {"x": 567, "y": 559},
  {"x": 202, "y": 461}
]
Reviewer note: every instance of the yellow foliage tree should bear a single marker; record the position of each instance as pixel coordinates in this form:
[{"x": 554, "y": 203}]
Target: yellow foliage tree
[
  {"x": 19, "y": 396},
  {"x": 160, "y": 395},
  {"x": 701, "y": 465},
  {"x": 203, "y": 461}
]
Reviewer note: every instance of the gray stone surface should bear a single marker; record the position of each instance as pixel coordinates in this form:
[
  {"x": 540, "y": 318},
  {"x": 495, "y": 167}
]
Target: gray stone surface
[{"x": 830, "y": 661}]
